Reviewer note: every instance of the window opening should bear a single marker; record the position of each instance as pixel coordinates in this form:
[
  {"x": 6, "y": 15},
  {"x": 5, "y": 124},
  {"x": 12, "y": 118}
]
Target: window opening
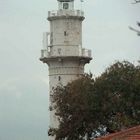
[
  {"x": 59, "y": 78},
  {"x": 65, "y": 6},
  {"x": 65, "y": 33}
]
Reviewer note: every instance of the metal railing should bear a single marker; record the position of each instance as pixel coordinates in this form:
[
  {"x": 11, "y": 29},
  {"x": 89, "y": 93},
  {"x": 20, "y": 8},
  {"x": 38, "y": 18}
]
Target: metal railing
[
  {"x": 66, "y": 13},
  {"x": 81, "y": 53},
  {"x": 86, "y": 53}
]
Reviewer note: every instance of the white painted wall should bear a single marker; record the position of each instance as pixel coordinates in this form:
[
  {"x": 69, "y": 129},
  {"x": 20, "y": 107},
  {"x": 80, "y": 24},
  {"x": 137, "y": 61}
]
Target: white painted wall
[
  {"x": 65, "y": 56},
  {"x": 66, "y": 31}
]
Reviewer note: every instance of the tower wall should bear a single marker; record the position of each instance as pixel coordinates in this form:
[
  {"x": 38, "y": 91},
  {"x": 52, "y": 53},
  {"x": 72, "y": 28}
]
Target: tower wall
[
  {"x": 66, "y": 32},
  {"x": 63, "y": 71},
  {"x": 63, "y": 51}
]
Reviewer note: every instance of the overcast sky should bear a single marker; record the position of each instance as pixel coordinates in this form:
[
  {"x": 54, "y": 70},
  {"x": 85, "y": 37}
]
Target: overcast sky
[{"x": 24, "y": 79}]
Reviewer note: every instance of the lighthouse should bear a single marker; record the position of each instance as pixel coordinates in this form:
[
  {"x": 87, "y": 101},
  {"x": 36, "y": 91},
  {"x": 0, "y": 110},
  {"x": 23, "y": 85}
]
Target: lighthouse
[{"x": 62, "y": 47}]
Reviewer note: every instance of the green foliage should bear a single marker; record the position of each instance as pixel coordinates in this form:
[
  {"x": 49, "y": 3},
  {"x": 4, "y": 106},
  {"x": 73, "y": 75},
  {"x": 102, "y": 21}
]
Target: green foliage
[{"x": 110, "y": 100}]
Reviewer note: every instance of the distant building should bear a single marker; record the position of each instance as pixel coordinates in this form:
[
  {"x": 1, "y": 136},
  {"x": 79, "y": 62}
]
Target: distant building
[
  {"x": 63, "y": 51},
  {"x": 128, "y": 134}
]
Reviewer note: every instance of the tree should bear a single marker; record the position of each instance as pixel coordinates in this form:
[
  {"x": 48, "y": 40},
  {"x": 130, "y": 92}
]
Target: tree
[
  {"x": 138, "y": 23},
  {"x": 105, "y": 104},
  {"x": 136, "y": 30}
]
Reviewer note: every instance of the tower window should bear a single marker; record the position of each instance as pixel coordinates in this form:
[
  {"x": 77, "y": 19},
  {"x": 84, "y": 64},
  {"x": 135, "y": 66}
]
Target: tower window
[
  {"x": 59, "y": 78},
  {"x": 65, "y": 33},
  {"x": 65, "y": 6}
]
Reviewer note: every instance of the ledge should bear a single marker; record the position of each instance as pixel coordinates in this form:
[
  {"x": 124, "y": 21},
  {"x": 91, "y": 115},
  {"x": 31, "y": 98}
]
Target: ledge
[{"x": 62, "y": 58}]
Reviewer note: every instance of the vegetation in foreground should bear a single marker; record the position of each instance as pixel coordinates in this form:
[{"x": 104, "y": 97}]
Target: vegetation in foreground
[{"x": 95, "y": 106}]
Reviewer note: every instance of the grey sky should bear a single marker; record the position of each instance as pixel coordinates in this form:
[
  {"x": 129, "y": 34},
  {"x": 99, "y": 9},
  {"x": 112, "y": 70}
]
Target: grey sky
[{"x": 24, "y": 79}]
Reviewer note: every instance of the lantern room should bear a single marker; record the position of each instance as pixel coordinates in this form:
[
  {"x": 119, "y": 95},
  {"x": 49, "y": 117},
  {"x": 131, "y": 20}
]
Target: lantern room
[{"x": 66, "y": 4}]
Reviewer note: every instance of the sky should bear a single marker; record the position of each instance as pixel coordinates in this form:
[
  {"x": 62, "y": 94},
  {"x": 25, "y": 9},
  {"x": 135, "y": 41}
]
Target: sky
[{"x": 24, "y": 91}]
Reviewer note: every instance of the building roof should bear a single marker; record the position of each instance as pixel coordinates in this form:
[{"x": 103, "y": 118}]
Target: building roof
[{"x": 128, "y": 134}]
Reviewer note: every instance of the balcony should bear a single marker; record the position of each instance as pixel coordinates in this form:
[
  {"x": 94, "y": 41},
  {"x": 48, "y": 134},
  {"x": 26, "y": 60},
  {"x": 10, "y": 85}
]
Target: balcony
[
  {"x": 82, "y": 53},
  {"x": 65, "y": 13}
]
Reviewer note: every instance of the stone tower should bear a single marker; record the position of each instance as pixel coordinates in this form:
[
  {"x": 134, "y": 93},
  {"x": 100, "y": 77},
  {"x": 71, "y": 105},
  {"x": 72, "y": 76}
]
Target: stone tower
[{"x": 63, "y": 51}]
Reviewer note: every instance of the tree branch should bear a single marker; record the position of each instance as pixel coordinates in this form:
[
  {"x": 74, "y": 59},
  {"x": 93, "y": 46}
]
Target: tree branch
[{"x": 136, "y": 1}]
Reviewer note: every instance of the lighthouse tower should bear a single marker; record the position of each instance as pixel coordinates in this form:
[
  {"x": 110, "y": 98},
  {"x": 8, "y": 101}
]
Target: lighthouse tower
[{"x": 63, "y": 51}]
